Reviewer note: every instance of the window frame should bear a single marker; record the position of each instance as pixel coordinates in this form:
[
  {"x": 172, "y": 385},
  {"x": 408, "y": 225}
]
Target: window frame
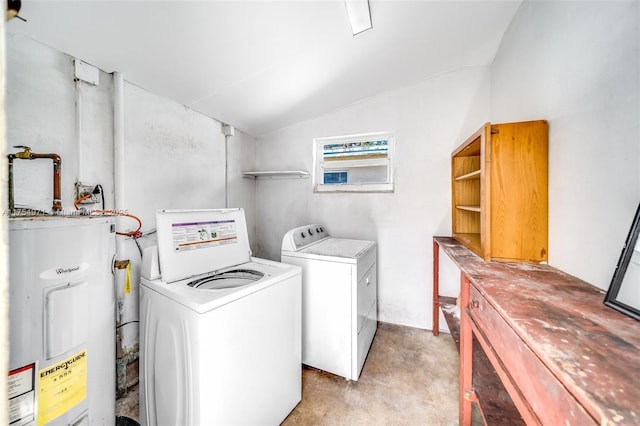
[{"x": 318, "y": 163}]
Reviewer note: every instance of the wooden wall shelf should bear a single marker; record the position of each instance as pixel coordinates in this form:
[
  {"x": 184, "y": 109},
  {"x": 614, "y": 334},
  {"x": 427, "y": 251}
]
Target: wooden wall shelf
[
  {"x": 499, "y": 191},
  {"x": 276, "y": 174}
]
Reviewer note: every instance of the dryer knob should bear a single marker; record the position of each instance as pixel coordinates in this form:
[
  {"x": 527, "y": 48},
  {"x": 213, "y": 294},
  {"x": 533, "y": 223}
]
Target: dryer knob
[
  {"x": 303, "y": 235},
  {"x": 310, "y": 231}
]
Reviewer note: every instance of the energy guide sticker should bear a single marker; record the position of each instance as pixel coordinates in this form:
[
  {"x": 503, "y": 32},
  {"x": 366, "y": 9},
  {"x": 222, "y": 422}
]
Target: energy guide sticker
[
  {"x": 62, "y": 386},
  {"x": 22, "y": 395},
  {"x": 196, "y": 235}
]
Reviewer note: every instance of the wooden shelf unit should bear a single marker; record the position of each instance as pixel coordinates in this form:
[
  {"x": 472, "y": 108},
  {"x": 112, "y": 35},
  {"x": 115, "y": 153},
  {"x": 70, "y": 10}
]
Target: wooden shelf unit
[{"x": 499, "y": 191}]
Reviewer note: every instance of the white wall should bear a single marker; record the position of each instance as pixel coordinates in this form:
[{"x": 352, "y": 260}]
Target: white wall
[
  {"x": 241, "y": 157},
  {"x": 429, "y": 119},
  {"x": 174, "y": 157},
  {"x": 577, "y": 65},
  {"x": 41, "y": 114}
]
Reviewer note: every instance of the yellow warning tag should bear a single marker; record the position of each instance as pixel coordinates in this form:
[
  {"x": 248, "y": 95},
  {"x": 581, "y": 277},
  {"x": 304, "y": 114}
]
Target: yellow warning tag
[
  {"x": 127, "y": 281},
  {"x": 62, "y": 386}
]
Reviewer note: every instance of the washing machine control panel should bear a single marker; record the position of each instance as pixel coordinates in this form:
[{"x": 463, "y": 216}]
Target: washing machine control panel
[{"x": 298, "y": 238}]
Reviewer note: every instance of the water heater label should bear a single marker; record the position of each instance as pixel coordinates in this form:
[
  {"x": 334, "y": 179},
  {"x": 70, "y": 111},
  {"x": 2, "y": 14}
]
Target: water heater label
[
  {"x": 197, "y": 235},
  {"x": 22, "y": 395},
  {"x": 64, "y": 271},
  {"x": 62, "y": 386}
]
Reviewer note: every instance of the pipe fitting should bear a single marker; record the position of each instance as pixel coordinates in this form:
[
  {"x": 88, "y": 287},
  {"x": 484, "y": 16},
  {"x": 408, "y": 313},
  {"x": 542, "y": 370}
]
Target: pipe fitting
[{"x": 24, "y": 155}]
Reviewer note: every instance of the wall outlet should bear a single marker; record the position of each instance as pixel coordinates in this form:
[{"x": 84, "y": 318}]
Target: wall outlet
[{"x": 82, "y": 190}]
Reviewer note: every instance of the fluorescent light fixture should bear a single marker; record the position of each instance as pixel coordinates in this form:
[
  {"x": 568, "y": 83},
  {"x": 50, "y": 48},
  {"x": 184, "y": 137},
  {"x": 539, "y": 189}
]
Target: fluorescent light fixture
[{"x": 359, "y": 15}]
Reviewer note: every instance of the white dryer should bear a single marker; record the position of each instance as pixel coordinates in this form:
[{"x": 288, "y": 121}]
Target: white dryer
[
  {"x": 220, "y": 330},
  {"x": 339, "y": 298}
]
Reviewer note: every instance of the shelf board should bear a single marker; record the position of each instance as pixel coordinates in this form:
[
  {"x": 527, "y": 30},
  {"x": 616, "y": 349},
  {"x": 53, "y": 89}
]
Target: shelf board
[
  {"x": 472, "y": 175},
  {"x": 451, "y": 314},
  {"x": 469, "y": 208},
  {"x": 276, "y": 174},
  {"x": 496, "y": 406}
]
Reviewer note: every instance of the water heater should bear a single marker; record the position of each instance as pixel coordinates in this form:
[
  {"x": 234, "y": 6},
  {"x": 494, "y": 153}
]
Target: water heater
[{"x": 62, "y": 321}]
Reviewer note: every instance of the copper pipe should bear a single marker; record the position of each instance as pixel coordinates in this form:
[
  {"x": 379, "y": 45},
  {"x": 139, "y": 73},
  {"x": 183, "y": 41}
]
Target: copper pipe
[
  {"x": 57, "y": 167},
  {"x": 11, "y": 200}
]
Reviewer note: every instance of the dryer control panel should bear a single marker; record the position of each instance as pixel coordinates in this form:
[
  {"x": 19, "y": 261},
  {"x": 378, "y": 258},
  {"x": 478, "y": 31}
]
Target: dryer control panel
[{"x": 303, "y": 236}]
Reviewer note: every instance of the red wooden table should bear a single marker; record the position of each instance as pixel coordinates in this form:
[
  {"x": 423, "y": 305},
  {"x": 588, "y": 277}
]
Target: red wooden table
[{"x": 563, "y": 357}]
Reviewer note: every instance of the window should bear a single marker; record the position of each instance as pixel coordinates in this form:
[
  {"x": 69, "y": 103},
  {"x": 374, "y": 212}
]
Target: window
[
  {"x": 331, "y": 177},
  {"x": 356, "y": 163}
]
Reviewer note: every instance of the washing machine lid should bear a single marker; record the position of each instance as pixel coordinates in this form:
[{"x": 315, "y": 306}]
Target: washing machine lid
[
  {"x": 194, "y": 242},
  {"x": 339, "y": 248}
]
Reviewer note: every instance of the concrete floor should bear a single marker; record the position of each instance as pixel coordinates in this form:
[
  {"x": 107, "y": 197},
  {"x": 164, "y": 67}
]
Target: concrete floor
[{"x": 409, "y": 378}]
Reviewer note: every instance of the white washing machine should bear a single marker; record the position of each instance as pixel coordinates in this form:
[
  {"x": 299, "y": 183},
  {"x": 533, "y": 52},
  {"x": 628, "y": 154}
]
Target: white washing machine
[
  {"x": 220, "y": 330},
  {"x": 339, "y": 298}
]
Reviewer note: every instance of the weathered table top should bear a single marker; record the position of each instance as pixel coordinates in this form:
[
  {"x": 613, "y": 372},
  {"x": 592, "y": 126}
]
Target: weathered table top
[{"x": 592, "y": 349}]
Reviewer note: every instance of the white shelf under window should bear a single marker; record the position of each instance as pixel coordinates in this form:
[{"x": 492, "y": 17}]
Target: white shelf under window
[{"x": 277, "y": 174}]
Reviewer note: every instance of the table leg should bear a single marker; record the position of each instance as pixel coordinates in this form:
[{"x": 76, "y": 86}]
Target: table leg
[
  {"x": 436, "y": 291},
  {"x": 466, "y": 350}
]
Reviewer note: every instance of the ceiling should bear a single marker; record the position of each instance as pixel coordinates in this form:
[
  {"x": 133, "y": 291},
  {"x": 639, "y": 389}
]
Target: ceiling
[{"x": 263, "y": 65}]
